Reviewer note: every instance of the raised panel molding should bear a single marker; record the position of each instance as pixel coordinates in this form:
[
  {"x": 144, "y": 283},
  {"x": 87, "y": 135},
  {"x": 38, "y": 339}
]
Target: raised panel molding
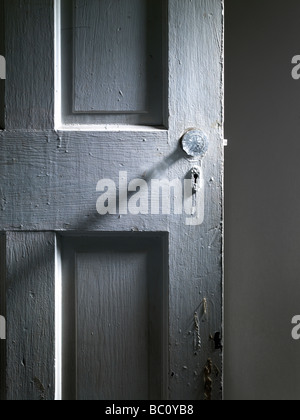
[
  {"x": 112, "y": 61},
  {"x": 115, "y": 316}
]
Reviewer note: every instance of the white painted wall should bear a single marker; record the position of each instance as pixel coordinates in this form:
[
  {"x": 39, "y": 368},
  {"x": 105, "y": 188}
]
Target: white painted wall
[{"x": 262, "y": 200}]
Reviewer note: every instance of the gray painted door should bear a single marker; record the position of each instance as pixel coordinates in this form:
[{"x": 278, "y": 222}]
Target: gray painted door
[{"x": 111, "y": 245}]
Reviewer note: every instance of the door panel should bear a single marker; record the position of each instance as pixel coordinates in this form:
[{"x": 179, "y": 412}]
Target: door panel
[
  {"x": 121, "y": 60},
  {"x": 113, "y": 56},
  {"x": 118, "y": 28},
  {"x": 116, "y": 303},
  {"x": 54, "y": 177}
]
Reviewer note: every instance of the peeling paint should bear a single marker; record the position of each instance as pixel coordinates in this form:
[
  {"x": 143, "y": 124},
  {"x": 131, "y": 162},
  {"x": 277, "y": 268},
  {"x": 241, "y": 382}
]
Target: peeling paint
[
  {"x": 208, "y": 382},
  {"x": 40, "y": 387},
  {"x": 198, "y": 341}
]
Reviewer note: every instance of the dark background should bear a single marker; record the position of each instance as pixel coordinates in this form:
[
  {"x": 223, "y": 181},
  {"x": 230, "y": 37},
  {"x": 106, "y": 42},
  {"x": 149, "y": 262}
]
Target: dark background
[{"x": 262, "y": 192}]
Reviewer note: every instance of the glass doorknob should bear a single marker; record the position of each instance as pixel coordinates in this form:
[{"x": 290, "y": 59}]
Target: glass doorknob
[{"x": 195, "y": 143}]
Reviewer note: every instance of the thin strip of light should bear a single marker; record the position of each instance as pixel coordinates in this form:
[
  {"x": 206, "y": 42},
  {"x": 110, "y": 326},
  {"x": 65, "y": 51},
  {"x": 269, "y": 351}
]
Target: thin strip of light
[
  {"x": 57, "y": 64},
  {"x": 58, "y": 323}
]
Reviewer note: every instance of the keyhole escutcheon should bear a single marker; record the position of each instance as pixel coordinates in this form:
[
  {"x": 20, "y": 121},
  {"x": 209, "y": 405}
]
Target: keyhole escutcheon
[{"x": 196, "y": 179}]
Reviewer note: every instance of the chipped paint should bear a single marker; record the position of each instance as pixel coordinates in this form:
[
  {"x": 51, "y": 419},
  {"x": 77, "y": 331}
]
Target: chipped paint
[
  {"x": 208, "y": 382},
  {"x": 40, "y": 387},
  {"x": 198, "y": 341}
]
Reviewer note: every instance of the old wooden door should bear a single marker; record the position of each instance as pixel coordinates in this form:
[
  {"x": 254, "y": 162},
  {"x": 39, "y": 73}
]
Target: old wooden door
[{"x": 111, "y": 244}]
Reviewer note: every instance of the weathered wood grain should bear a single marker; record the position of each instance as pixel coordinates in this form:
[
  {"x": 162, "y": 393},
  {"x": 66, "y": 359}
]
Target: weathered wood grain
[
  {"x": 111, "y": 56},
  {"x": 114, "y": 49},
  {"x": 112, "y": 326},
  {"x": 30, "y": 310},
  {"x": 121, "y": 295},
  {"x": 196, "y": 100},
  {"x": 195, "y": 67},
  {"x": 48, "y": 181},
  {"x": 29, "y": 49}
]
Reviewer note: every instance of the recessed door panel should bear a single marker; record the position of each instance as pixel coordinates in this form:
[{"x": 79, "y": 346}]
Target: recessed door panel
[
  {"x": 112, "y": 56},
  {"x": 115, "y": 317}
]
